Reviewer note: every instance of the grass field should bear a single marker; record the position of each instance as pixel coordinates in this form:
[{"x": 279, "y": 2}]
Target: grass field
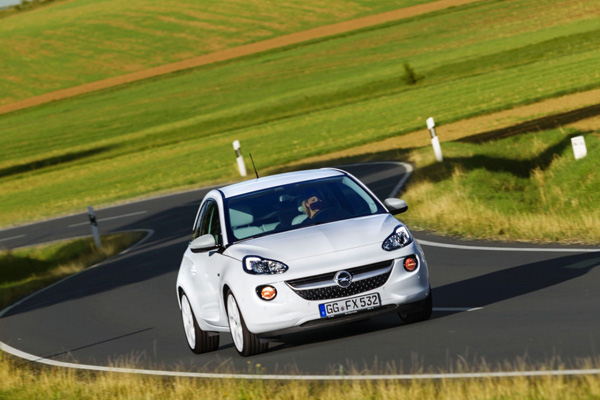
[
  {"x": 76, "y": 42},
  {"x": 527, "y": 187},
  {"x": 176, "y": 132}
]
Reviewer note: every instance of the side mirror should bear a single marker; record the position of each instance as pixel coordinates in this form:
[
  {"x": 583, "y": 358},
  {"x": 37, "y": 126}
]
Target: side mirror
[
  {"x": 203, "y": 243},
  {"x": 396, "y": 206}
]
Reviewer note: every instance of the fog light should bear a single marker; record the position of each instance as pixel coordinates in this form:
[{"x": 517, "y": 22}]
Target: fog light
[
  {"x": 266, "y": 292},
  {"x": 410, "y": 264}
]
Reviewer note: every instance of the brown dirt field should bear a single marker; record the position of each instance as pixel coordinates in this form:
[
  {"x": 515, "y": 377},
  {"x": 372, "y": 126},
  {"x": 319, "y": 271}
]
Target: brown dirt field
[{"x": 236, "y": 52}]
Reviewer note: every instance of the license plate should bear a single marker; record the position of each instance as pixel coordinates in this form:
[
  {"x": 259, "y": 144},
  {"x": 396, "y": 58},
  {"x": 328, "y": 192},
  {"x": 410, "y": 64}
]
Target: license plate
[{"x": 349, "y": 306}]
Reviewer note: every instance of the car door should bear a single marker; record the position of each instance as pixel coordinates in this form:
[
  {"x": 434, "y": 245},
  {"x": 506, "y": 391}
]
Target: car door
[{"x": 206, "y": 267}]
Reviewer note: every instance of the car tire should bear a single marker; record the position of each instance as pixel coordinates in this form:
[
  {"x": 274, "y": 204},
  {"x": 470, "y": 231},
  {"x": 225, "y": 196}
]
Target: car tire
[
  {"x": 421, "y": 315},
  {"x": 198, "y": 340},
  {"x": 246, "y": 343}
]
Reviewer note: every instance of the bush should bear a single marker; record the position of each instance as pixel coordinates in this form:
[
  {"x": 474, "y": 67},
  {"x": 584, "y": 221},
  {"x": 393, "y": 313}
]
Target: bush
[{"x": 410, "y": 77}]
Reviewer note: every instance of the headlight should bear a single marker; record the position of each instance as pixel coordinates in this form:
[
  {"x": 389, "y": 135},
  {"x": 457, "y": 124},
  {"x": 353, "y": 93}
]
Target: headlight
[
  {"x": 400, "y": 238},
  {"x": 258, "y": 265}
]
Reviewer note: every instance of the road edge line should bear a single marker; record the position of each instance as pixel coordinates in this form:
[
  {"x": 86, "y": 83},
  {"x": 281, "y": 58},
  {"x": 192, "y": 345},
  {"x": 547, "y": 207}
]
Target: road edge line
[
  {"x": 515, "y": 249},
  {"x": 29, "y": 357}
]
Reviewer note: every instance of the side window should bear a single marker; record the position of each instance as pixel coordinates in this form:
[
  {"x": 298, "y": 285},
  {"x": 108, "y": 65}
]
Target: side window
[
  {"x": 210, "y": 221},
  {"x": 198, "y": 222}
]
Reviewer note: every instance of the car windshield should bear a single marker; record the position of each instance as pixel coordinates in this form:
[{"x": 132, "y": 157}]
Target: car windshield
[{"x": 297, "y": 205}]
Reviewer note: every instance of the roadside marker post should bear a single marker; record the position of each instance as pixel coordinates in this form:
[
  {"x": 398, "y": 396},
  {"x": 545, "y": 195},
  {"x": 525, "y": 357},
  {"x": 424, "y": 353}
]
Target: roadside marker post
[
  {"x": 94, "y": 225},
  {"x": 239, "y": 158},
  {"x": 435, "y": 141},
  {"x": 579, "y": 148}
]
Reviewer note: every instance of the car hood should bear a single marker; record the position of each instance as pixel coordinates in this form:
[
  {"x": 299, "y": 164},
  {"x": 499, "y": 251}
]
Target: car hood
[{"x": 318, "y": 240}]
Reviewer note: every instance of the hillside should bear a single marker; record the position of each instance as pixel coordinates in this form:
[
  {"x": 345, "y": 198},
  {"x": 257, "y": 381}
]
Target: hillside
[
  {"x": 289, "y": 104},
  {"x": 69, "y": 43}
]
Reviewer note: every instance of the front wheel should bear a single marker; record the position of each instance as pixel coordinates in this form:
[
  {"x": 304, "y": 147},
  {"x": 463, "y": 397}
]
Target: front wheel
[
  {"x": 246, "y": 343},
  {"x": 421, "y": 315},
  {"x": 199, "y": 341}
]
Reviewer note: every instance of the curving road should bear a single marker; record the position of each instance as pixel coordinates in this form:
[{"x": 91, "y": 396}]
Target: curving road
[{"x": 492, "y": 302}]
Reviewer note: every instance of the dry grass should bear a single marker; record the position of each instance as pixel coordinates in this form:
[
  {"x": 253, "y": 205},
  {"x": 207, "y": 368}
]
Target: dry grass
[
  {"x": 29, "y": 381},
  {"x": 477, "y": 220},
  {"x": 516, "y": 189}
]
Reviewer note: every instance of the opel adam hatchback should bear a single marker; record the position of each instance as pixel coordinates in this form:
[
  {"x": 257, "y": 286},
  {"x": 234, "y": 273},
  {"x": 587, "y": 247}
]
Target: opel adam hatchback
[{"x": 295, "y": 251}]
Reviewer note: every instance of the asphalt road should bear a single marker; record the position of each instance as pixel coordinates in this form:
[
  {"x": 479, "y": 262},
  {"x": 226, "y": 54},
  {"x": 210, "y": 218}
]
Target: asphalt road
[{"x": 494, "y": 304}]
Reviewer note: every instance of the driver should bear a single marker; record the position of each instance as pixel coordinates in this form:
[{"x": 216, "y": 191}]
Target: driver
[{"x": 313, "y": 203}]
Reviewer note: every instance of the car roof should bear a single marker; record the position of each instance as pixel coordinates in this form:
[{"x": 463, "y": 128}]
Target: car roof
[{"x": 266, "y": 182}]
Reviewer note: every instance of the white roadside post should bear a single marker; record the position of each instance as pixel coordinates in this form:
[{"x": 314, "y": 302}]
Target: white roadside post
[
  {"x": 435, "y": 141},
  {"x": 94, "y": 225},
  {"x": 240, "y": 159},
  {"x": 579, "y": 148}
]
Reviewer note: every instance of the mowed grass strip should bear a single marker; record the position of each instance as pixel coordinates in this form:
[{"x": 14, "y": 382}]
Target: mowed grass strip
[
  {"x": 71, "y": 43},
  {"x": 27, "y": 270},
  {"x": 284, "y": 106}
]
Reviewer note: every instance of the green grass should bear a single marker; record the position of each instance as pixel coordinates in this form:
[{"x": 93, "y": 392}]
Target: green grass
[
  {"x": 524, "y": 187},
  {"x": 86, "y": 40},
  {"x": 27, "y": 270},
  {"x": 24, "y": 6},
  {"x": 176, "y": 131}
]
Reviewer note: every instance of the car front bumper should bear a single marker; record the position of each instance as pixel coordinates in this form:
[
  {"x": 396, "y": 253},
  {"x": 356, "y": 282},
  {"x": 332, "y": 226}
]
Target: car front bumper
[{"x": 289, "y": 312}]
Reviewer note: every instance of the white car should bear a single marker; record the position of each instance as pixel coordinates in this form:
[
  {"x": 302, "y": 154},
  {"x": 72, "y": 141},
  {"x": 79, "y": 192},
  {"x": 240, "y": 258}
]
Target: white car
[{"x": 296, "y": 251}]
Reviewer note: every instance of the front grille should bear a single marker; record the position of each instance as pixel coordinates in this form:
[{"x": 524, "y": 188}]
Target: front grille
[
  {"x": 323, "y": 287},
  {"x": 334, "y": 292}
]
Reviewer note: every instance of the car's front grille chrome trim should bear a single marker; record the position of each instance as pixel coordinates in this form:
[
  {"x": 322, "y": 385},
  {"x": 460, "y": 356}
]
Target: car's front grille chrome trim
[{"x": 323, "y": 287}]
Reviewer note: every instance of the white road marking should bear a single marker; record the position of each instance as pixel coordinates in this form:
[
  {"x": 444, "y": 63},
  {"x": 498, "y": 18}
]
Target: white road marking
[
  {"x": 12, "y": 238},
  {"x": 110, "y": 218},
  {"x": 451, "y": 309},
  {"x": 41, "y": 360},
  {"x": 409, "y": 170},
  {"x": 488, "y": 248}
]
